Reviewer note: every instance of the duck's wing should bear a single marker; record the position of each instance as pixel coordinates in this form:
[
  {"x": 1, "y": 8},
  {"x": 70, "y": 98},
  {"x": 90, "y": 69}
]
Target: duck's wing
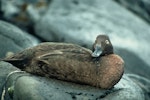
[
  {"x": 76, "y": 53},
  {"x": 49, "y": 54},
  {"x": 49, "y": 49},
  {"x": 45, "y": 51}
]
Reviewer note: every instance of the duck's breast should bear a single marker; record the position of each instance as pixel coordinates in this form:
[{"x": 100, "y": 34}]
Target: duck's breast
[{"x": 111, "y": 70}]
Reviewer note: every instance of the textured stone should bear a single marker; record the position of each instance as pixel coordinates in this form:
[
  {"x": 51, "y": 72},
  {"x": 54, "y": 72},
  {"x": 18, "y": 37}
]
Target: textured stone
[
  {"x": 140, "y": 7},
  {"x": 18, "y": 12},
  {"x": 143, "y": 82},
  {"x": 133, "y": 63},
  {"x": 5, "y": 69},
  {"x": 29, "y": 87},
  {"x": 13, "y": 39}
]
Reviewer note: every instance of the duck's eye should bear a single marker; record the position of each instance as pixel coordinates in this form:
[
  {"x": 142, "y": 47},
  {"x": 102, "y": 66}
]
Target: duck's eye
[{"x": 106, "y": 41}]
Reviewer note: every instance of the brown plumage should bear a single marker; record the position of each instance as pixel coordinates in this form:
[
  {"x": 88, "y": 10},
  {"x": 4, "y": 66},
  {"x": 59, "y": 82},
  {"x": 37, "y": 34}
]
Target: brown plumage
[{"x": 73, "y": 63}]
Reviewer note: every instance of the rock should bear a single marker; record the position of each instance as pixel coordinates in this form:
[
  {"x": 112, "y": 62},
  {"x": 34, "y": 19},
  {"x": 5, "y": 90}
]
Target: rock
[
  {"x": 133, "y": 63},
  {"x": 140, "y": 7},
  {"x": 80, "y": 22},
  {"x": 13, "y": 39},
  {"x": 18, "y": 12},
  {"x": 25, "y": 86},
  {"x": 143, "y": 82},
  {"x": 5, "y": 69}
]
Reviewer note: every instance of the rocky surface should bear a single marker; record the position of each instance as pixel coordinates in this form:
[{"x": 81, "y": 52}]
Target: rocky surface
[
  {"x": 5, "y": 69},
  {"x": 13, "y": 39},
  {"x": 140, "y": 7},
  {"x": 25, "y": 86},
  {"x": 133, "y": 63},
  {"x": 17, "y": 12},
  {"x": 143, "y": 82}
]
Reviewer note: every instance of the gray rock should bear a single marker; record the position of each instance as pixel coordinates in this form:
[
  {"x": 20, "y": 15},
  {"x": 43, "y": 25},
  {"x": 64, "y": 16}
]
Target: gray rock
[
  {"x": 133, "y": 63},
  {"x": 140, "y": 7},
  {"x": 18, "y": 11},
  {"x": 5, "y": 69},
  {"x": 143, "y": 82},
  {"x": 24, "y": 86},
  {"x": 80, "y": 21},
  {"x": 13, "y": 39}
]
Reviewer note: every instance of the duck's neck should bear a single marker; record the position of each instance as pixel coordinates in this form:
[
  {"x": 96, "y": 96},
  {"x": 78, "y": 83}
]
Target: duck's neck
[{"x": 107, "y": 50}]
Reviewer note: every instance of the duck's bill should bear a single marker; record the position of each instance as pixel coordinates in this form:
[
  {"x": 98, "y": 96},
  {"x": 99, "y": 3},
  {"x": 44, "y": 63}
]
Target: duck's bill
[{"x": 97, "y": 52}]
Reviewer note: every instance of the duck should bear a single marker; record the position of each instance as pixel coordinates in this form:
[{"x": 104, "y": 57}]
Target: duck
[{"x": 99, "y": 67}]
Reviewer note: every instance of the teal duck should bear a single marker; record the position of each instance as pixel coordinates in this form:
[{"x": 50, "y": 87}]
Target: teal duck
[{"x": 69, "y": 62}]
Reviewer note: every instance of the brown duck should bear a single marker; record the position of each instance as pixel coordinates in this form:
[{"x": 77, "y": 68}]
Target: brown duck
[{"x": 100, "y": 68}]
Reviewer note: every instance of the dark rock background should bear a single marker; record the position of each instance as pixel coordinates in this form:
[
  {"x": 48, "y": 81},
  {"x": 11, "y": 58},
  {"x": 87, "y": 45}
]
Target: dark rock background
[
  {"x": 26, "y": 23},
  {"x": 139, "y": 7},
  {"x": 13, "y": 39}
]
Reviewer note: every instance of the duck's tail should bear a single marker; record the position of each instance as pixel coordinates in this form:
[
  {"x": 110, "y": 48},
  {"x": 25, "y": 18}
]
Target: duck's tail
[{"x": 19, "y": 63}]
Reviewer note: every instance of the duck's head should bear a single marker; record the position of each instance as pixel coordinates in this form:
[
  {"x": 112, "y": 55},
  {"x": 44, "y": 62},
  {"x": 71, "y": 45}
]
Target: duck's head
[{"x": 102, "y": 46}]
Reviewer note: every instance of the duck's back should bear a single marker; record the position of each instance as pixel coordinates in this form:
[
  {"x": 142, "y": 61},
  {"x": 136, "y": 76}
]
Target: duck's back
[
  {"x": 63, "y": 61},
  {"x": 43, "y": 50}
]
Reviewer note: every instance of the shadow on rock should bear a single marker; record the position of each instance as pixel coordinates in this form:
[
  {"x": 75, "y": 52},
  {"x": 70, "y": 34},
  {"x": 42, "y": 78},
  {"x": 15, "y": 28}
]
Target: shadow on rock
[{"x": 134, "y": 64}]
